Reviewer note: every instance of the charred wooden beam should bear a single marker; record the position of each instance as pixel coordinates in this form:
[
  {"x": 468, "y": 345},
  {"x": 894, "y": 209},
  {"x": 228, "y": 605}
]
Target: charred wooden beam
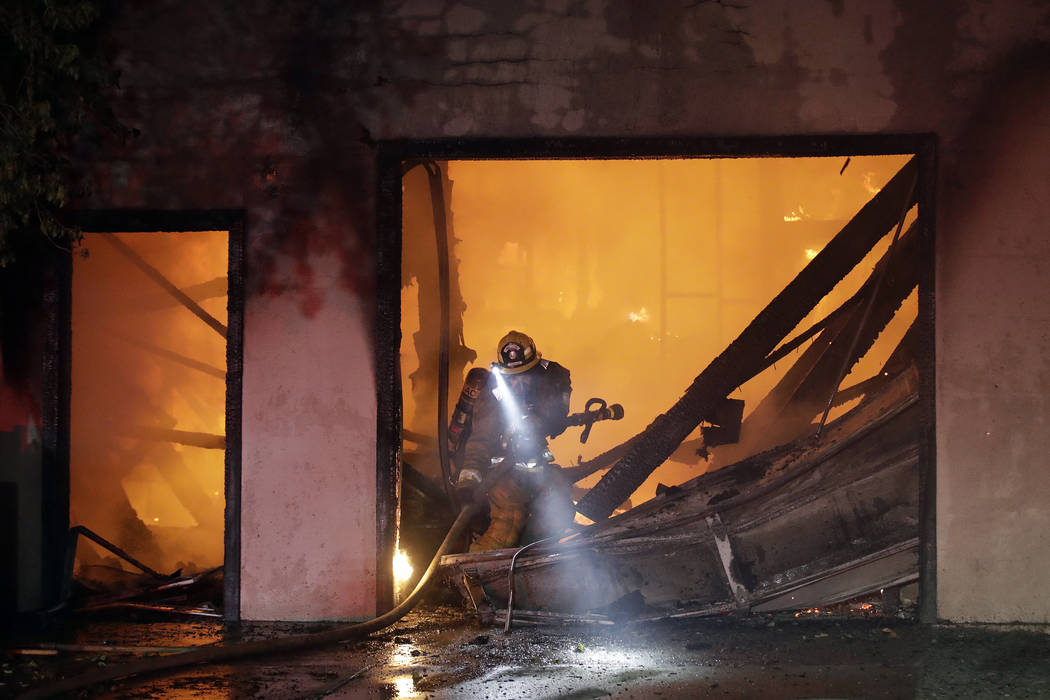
[
  {"x": 859, "y": 389},
  {"x": 902, "y": 274},
  {"x": 750, "y": 349},
  {"x": 208, "y": 441},
  {"x": 773, "y": 402},
  {"x": 212, "y": 289},
  {"x": 172, "y": 356},
  {"x": 875, "y": 292},
  {"x": 604, "y": 460},
  {"x": 78, "y": 531},
  {"x": 791, "y": 404},
  {"x": 164, "y": 283},
  {"x": 832, "y": 320},
  {"x": 902, "y": 357},
  {"x": 767, "y": 534}
]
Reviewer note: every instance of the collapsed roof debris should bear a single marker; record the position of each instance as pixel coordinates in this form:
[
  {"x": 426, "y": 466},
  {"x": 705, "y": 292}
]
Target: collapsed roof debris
[
  {"x": 747, "y": 354},
  {"x": 798, "y": 526},
  {"x": 804, "y": 523},
  {"x": 99, "y": 587}
]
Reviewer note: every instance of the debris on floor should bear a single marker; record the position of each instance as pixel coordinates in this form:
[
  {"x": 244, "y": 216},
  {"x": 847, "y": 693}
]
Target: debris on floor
[{"x": 436, "y": 653}]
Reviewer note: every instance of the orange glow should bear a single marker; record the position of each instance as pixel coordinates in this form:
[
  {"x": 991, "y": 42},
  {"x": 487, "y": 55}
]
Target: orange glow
[
  {"x": 160, "y": 501},
  {"x": 634, "y": 274}
]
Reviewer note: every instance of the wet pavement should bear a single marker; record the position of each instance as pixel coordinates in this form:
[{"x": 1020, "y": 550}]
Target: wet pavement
[{"x": 442, "y": 653}]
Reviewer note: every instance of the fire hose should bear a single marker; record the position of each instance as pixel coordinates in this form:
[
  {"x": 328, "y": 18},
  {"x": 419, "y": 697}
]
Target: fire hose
[
  {"x": 344, "y": 633},
  {"x": 243, "y": 650}
]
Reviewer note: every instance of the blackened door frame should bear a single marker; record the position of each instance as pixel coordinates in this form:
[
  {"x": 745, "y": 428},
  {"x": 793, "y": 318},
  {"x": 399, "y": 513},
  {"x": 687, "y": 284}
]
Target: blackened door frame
[
  {"x": 391, "y": 157},
  {"x": 58, "y": 387}
]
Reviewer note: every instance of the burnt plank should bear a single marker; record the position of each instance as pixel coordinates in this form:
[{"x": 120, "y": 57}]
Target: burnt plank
[
  {"x": 789, "y": 407},
  {"x": 750, "y": 349}
]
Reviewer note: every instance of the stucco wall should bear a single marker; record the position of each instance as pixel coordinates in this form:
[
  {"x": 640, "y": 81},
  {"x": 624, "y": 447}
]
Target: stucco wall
[
  {"x": 271, "y": 106},
  {"x": 993, "y": 338}
]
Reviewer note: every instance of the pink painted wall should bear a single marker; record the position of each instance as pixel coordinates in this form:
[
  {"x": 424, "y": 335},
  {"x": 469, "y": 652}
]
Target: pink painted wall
[
  {"x": 309, "y": 520},
  {"x": 270, "y": 106}
]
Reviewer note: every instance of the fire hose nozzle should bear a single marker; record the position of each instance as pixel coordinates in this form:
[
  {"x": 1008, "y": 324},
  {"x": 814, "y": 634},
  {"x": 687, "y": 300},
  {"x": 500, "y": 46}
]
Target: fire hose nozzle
[{"x": 595, "y": 410}]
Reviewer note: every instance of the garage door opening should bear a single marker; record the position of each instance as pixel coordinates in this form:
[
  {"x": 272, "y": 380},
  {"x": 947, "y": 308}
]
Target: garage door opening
[
  {"x": 635, "y": 274},
  {"x": 148, "y": 402}
]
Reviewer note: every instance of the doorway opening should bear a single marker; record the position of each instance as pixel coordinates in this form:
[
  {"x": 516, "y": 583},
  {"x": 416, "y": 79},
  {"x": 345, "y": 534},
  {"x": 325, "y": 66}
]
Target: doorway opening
[
  {"x": 156, "y": 315},
  {"x": 636, "y": 273}
]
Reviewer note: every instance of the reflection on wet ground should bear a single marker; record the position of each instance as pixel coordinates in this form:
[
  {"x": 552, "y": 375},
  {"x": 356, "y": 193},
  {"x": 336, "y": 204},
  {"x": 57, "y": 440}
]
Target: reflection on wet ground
[{"x": 442, "y": 653}]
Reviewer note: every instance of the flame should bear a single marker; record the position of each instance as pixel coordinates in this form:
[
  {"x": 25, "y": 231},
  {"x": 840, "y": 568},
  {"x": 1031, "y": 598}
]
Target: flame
[
  {"x": 402, "y": 568},
  {"x": 640, "y": 315}
]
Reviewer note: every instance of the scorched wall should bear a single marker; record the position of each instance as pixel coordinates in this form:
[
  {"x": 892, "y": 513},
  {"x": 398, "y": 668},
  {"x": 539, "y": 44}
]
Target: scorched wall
[{"x": 273, "y": 107}]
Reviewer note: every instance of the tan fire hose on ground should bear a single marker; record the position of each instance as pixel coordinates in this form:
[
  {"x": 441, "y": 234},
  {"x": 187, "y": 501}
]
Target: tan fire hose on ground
[{"x": 243, "y": 650}]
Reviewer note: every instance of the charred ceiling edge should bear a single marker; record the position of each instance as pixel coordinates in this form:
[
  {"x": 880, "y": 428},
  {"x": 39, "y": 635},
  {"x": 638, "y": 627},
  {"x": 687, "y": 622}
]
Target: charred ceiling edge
[
  {"x": 657, "y": 147},
  {"x": 146, "y": 220}
]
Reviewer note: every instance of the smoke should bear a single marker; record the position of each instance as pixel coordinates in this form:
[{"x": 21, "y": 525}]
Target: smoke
[
  {"x": 142, "y": 364},
  {"x": 635, "y": 274}
]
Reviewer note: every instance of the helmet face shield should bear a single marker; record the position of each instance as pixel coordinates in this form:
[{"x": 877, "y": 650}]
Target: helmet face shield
[{"x": 516, "y": 353}]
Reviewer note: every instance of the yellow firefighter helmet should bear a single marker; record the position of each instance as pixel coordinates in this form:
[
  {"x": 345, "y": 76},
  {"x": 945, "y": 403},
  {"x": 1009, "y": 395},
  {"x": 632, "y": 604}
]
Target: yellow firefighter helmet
[{"x": 516, "y": 353}]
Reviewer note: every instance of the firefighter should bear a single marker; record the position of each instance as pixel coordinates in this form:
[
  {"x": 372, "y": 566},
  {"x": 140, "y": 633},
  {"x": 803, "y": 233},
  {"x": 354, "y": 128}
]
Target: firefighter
[{"x": 503, "y": 420}]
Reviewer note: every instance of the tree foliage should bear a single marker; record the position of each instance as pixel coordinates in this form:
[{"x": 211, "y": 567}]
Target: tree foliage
[{"x": 52, "y": 82}]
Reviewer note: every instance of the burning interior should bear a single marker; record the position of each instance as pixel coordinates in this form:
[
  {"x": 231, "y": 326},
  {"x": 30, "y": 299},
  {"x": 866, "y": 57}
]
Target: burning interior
[
  {"x": 636, "y": 275},
  {"x": 148, "y": 408}
]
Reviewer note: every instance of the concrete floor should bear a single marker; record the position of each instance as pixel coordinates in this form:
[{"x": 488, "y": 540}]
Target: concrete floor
[{"x": 442, "y": 653}]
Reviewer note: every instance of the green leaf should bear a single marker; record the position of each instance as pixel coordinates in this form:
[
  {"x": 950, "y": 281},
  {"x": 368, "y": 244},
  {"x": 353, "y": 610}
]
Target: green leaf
[{"x": 56, "y": 102}]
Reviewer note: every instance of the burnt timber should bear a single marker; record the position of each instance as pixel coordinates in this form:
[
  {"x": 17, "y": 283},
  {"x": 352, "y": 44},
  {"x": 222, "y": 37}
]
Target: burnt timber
[
  {"x": 815, "y": 520},
  {"x": 801, "y": 525},
  {"x": 746, "y": 355}
]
